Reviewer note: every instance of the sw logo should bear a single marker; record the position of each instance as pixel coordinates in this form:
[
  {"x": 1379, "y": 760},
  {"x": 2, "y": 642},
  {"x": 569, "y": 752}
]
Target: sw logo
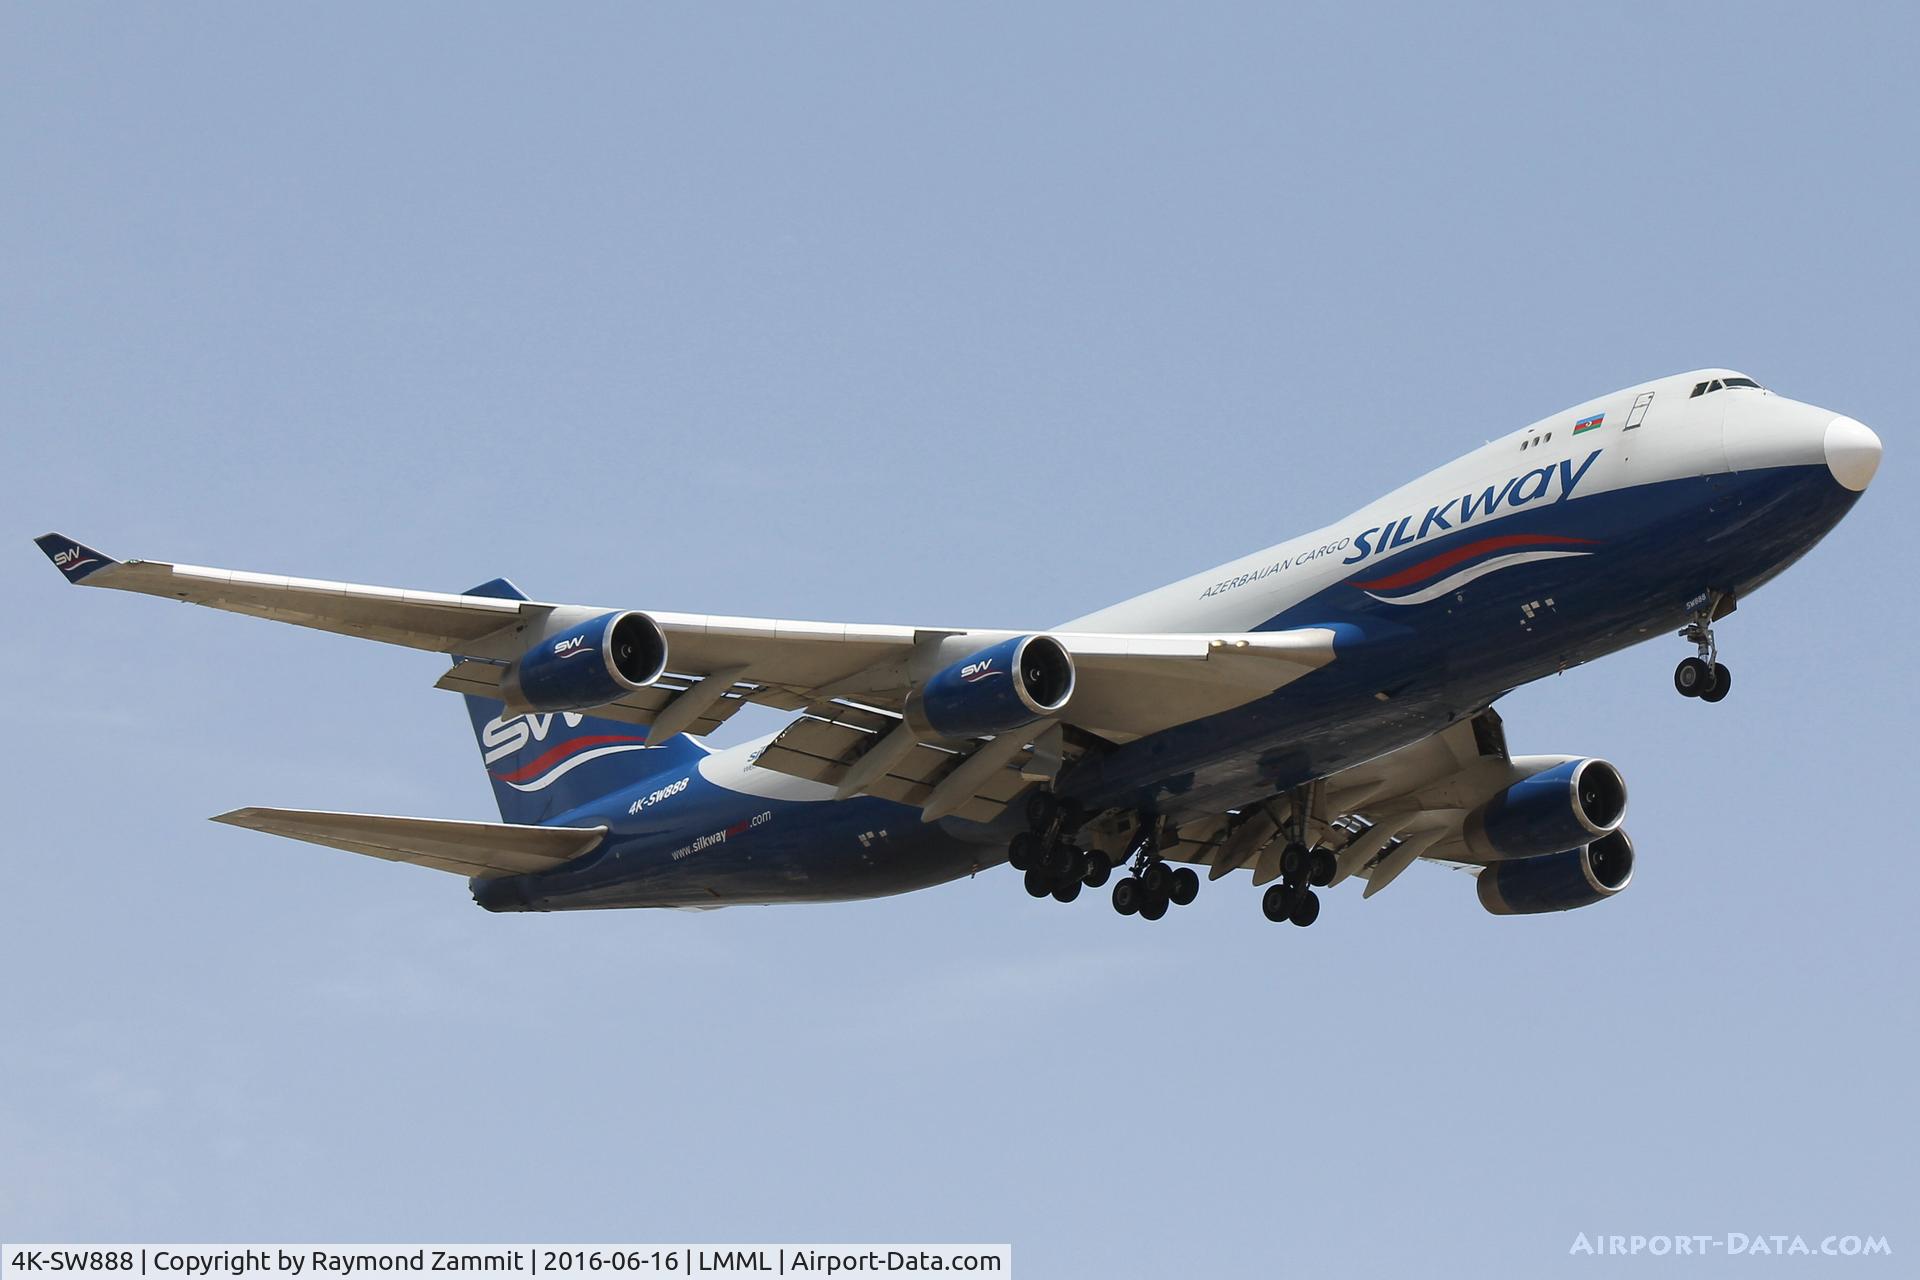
[
  {"x": 974, "y": 672},
  {"x": 570, "y": 648},
  {"x": 505, "y": 735},
  {"x": 70, "y": 559}
]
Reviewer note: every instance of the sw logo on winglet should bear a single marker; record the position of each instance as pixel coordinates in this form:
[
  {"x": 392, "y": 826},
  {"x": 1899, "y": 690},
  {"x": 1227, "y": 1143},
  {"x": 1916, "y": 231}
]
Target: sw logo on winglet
[{"x": 74, "y": 559}]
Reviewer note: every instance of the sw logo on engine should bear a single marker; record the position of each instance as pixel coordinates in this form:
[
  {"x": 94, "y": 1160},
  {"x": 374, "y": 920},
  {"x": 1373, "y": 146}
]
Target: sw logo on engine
[
  {"x": 567, "y": 648},
  {"x": 975, "y": 671}
]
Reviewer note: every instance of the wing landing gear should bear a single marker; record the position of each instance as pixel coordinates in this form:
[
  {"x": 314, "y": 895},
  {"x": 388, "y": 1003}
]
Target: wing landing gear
[{"x": 1052, "y": 864}]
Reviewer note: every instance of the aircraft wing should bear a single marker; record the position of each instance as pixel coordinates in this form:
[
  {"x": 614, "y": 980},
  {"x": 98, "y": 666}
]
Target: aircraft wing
[{"x": 1126, "y": 686}]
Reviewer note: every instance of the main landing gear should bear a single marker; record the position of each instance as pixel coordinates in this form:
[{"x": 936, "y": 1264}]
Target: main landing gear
[
  {"x": 1293, "y": 899},
  {"x": 1153, "y": 886},
  {"x": 1054, "y": 866},
  {"x": 1703, "y": 676}
]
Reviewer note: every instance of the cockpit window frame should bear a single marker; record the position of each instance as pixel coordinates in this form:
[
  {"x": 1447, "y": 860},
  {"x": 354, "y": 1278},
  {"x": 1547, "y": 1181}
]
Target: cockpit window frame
[{"x": 1724, "y": 384}]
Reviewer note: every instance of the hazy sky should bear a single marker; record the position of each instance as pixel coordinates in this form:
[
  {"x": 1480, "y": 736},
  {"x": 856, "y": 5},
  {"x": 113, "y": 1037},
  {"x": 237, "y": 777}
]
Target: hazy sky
[{"x": 984, "y": 315}]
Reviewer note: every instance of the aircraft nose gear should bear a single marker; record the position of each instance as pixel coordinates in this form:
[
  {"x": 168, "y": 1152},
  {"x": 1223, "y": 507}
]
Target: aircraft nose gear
[
  {"x": 1704, "y": 677},
  {"x": 1153, "y": 886}
]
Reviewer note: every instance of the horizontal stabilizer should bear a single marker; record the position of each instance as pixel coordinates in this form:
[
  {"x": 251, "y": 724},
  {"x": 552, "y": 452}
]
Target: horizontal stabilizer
[{"x": 464, "y": 848}]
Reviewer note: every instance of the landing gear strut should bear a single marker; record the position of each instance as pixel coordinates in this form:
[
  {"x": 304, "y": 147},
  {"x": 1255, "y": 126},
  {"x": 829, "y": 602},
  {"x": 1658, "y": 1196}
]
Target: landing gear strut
[{"x": 1703, "y": 676}]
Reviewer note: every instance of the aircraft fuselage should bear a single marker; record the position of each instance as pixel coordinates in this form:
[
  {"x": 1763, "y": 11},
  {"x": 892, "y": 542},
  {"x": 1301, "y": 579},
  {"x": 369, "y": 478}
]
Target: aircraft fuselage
[{"x": 1614, "y": 522}]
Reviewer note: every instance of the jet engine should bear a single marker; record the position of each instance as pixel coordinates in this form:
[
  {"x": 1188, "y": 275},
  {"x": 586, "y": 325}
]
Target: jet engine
[
  {"x": 1559, "y": 881},
  {"x": 1570, "y": 803},
  {"x": 998, "y": 689},
  {"x": 588, "y": 665}
]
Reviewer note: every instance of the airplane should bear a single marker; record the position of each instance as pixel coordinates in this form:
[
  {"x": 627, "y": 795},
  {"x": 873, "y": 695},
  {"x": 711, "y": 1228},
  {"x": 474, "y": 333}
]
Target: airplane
[{"x": 1318, "y": 711}]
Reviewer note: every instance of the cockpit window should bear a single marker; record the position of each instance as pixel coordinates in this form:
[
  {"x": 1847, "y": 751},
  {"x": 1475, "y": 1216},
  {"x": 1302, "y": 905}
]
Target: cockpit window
[{"x": 1706, "y": 388}]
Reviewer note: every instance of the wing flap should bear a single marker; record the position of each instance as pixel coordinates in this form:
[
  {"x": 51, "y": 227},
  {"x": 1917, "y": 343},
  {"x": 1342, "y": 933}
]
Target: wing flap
[
  {"x": 640, "y": 706},
  {"x": 463, "y": 848},
  {"x": 824, "y": 744}
]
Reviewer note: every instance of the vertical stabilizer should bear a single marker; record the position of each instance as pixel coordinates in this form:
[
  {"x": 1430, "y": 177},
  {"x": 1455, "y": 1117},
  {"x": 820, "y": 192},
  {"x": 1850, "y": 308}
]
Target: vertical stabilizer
[{"x": 546, "y": 764}]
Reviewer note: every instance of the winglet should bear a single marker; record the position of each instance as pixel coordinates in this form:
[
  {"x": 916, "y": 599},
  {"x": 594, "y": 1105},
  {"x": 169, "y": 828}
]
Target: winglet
[{"x": 75, "y": 559}]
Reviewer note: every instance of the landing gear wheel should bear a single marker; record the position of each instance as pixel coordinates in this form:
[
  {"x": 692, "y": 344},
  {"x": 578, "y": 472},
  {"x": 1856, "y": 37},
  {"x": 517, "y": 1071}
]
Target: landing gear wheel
[
  {"x": 1185, "y": 886},
  {"x": 1277, "y": 903},
  {"x": 1129, "y": 895},
  {"x": 1023, "y": 853},
  {"x": 1293, "y": 860},
  {"x": 1039, "y": 882},
  {"x": 1153, "y": 906},
  {"x": 1321, "y": 868},
  {"x": 1693, "y": 677},
  {"x": 1066, "y": 890},
  {"x": 1094, "y": 869},
  {"x": 1722, "y": 684},
  {"x": 1305, "y": 909},
  {"x": 1158, "y": 879},
  {"x": 1060, "y": 859}
]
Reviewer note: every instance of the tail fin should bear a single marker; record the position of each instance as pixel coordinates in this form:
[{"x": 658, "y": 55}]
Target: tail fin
[{"x": 545, "y": 765}]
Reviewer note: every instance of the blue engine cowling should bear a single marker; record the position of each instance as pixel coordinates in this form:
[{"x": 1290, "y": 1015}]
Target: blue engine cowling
[
  {"x": 1559, "y": 881},
  {"x": 588, "y": 665},
  {"x": 1568, "y": 804},
  {"x": 1000, "y": 688}
]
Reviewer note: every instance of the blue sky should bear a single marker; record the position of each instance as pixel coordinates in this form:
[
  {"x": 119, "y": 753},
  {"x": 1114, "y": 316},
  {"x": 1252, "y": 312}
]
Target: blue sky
[{"x": 982, "y": 315}]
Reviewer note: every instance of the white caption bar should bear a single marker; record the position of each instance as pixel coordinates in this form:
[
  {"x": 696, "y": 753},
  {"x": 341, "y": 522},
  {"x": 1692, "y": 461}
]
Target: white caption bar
[{"x": 325, "y": 1261}]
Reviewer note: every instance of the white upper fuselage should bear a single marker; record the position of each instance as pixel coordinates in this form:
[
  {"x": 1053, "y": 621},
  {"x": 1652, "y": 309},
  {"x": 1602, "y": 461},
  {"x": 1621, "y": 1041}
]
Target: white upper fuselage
[{"x": 1675, "y": 435}]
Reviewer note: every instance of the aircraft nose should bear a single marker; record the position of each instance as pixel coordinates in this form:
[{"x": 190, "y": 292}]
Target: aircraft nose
[{"x": 1853, "y": 453}]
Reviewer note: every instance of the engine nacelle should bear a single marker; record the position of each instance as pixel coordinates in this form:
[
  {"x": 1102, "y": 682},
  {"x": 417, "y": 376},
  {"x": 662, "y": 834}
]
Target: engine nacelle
[
  {"x": 1564, "y": 805},
  {"x": 998, "y": 689},
  {"x": 1559, "y": 881},
  {"x": 588, "y": 665}
]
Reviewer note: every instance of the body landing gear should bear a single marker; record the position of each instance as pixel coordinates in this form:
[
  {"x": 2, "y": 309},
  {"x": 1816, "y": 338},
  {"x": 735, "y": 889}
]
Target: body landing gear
[
  {"x": 1704, "y": 676},
  {"x": 1153, "y": 886},
  {"x": 1301, "y": 869}
]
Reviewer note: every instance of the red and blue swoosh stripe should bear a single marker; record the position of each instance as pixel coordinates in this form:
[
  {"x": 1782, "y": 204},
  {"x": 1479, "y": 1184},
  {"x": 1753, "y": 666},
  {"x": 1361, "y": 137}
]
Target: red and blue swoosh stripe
[
  {"x": 1454, "y": 568},
  {"x": 556, "y": 762}
]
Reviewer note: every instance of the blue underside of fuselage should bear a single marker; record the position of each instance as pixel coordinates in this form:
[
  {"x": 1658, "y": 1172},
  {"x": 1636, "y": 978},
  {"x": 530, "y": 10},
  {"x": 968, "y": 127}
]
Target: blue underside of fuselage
[{"x": 1401, "y": 671}]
